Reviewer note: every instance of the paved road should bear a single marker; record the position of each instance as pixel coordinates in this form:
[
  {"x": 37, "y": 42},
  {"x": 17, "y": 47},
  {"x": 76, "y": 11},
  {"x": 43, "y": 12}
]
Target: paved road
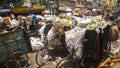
[
  {"x": 52, "y": 64},
  {"x": 34, "y": 65}
]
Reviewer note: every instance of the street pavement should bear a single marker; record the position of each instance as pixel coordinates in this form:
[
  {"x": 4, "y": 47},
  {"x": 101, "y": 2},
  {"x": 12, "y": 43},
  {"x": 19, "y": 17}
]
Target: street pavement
[
  {"x": 34, "y": 65},
  {"x": 52, "y": 64}
]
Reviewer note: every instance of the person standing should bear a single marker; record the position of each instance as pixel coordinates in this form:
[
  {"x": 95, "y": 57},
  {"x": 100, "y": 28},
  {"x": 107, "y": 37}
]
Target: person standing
[
  {"x": 33, "y": 16},
  {"x": 103, "y": 13}
]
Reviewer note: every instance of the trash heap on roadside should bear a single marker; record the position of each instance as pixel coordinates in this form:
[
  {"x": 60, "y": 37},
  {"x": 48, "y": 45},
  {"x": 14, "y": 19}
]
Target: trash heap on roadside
[{"x": 76, "y": 21}]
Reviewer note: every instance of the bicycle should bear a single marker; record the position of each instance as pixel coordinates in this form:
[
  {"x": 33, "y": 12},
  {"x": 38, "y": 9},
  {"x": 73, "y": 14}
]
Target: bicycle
[
  {"x": 71, "y": 61},
  {"x": 17, "y": 59},
  {"x": 43, "y": 55}
]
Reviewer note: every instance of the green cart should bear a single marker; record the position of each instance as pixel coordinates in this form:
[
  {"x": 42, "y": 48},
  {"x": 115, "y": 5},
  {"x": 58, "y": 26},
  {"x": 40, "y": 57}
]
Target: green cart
[{"x": 14, "y": 45}]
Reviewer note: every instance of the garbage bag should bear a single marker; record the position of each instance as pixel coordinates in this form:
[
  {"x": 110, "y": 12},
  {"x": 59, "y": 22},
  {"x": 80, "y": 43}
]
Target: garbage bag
[
  {"x": 51, "y": 37},
  {"x": 36, "y": 44},
  {"x": 41, "y": 32}
]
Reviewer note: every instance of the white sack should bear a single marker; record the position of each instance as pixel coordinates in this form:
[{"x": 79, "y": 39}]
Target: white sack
[
  {"x": 51, "y": 37},
  {"x": 36, "y": 43},
  {"x": 73, "y": 39}
]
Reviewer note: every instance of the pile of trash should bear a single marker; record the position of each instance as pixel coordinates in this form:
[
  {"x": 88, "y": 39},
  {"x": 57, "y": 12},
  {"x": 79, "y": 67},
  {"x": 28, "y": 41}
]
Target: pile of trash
[{"x": 66, "y": 19}]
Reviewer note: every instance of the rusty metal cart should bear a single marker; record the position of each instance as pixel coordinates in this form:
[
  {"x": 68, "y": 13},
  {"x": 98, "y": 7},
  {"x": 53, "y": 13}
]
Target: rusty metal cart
[{"x": 14, "y": 45}]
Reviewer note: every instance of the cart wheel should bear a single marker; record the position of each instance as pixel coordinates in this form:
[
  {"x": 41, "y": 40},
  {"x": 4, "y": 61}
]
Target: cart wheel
[
  {"x": 67, "y": 63},
  {"x": 42, "y": 57},
  {"x": 17, "y": 60}
]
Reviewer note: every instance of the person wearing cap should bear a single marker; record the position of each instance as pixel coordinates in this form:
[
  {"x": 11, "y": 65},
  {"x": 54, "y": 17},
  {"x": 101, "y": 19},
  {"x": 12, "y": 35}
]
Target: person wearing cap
[
  {"x": 33, "y": 16},
  {"x": 22, "y": 22}
]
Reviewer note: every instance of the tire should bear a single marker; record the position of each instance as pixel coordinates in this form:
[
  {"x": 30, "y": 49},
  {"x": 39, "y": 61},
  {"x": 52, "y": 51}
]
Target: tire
[
  {"x": 42, "y": 57},
  {"x": 17, "y": 60},
  {"x": 67, "y": 63}
]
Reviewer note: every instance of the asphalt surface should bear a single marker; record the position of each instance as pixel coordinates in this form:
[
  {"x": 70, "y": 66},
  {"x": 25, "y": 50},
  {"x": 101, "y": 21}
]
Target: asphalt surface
[{"x": 52, "y": 64}]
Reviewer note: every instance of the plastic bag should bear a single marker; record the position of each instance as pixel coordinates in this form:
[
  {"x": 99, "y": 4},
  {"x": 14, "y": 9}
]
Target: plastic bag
[
  {"x": 51, "y": 38},
  {"x": 36, "y": 43},
  {"x": 14, "y": 23},
  {"x": 50, "y": 34},
  {"x": 41, "y": 32}
]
